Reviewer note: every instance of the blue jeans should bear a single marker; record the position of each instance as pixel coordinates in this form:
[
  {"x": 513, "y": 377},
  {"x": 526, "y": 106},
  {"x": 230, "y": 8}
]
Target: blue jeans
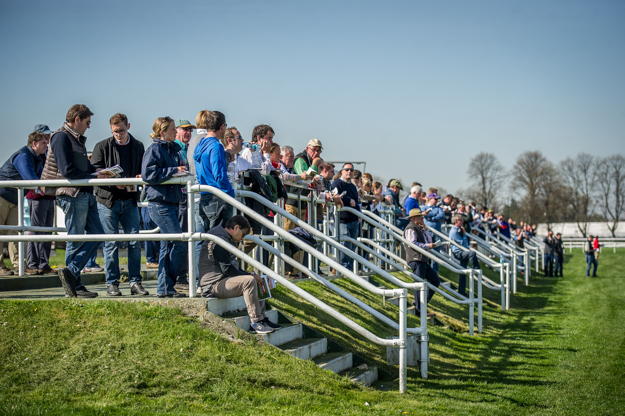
[
  {"x": 210, "y": 212},
  {"x": 81, "y": 216},
  {"x": 463, "y": 257},
  {"x": 173, "y": 253},
  {"x": 557, "y": 265},
  {"x": 126, "y": 214},
  {"x": 349, "y": 229},
  {"x": 591, "y": 260},
  {"x": 151, "y": 247}
]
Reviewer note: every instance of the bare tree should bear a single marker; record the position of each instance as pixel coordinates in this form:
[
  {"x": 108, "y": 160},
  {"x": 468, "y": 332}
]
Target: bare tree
[
  {"x": 579, "y": 174},
  {"x": 488, "y": 176},
  {"x": 527, "y": 180},
  {"x": 611, "y": 181},
  {"x": 551, "y": 194}
]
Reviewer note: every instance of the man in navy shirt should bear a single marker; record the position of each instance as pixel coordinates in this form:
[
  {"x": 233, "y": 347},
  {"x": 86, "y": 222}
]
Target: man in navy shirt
[{"x": 348, "y": 221}]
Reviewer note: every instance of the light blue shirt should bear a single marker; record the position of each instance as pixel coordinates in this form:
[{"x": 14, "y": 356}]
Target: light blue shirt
[{"x": 454, "y": 235}]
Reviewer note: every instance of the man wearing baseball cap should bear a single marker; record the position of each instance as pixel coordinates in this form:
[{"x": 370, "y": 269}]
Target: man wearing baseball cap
[
  {"x": 303, "y": 161},
  {"x": 183, "y": 136},
  {"x": 391, "y": 195},
  {"x": 417, "y": 234}
]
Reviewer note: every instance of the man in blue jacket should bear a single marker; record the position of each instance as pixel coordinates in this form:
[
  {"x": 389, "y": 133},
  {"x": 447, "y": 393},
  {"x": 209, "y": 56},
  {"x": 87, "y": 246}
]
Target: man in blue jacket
[
  {"x": 211, "y": 168},
  {"x": 25, "y": 164},
  {"x": 434, "y": 218},
  {"x": 458, "y": 235},
  {"x": 67, "y": 159}
]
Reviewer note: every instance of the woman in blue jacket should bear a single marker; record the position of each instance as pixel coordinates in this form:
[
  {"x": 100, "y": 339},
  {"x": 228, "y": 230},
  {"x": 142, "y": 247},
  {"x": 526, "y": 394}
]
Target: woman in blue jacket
[{"x": 161, "y": 161}]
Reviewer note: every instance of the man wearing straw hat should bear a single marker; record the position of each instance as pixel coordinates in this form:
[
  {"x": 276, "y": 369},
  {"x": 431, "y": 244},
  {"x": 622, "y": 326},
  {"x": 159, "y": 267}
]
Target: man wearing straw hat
[{"x": 417, "y": 234}]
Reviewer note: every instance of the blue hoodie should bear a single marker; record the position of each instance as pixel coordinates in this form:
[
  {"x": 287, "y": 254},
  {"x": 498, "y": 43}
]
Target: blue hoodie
[
  {"x": 210, "y": 165},
  {"x": 434, "y": 219},
  {"x": 160, "y": 161}
]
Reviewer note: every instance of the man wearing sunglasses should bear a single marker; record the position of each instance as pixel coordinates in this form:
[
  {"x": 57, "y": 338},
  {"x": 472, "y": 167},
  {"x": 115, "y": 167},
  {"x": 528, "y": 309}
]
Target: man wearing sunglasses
[{"x": 348, "y": 221}]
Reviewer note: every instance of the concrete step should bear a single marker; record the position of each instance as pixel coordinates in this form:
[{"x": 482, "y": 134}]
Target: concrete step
[
  {"x": 283, "y": 335},
  {"x": 243, "y": 321},
  {"x": 306, "y": 348},
  {"x": 335, "y": 361},
  {"x": 366, "y": 376},
  {"x": 223, "y": 306}
]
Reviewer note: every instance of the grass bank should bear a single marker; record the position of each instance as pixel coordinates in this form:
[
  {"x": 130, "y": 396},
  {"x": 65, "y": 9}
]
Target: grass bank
[{"x": 560, "y": 350}]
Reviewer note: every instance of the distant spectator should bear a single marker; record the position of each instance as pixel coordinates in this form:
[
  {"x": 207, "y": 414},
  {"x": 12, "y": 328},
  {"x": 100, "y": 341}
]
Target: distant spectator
[
  {"x": 504, "y": 227},
  {"x": 549, "y": 251},
  {"x": 348, "y": 221},
  {"x": 412, "y": 200},
  {"x": 458, "y": 235},
  {"x": 417, "y": 234},
  {"x": 303, "y": 161},
  {"x": 596, "y": 246},
  {"x": 558, "y": 252},
  {"x": 434, "y": 217},
  {"x": 589, "y": 249}
]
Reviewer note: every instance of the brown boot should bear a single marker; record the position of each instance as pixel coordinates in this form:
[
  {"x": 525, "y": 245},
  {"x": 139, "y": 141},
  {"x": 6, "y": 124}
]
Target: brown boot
[{"x": 4, "y": 271}]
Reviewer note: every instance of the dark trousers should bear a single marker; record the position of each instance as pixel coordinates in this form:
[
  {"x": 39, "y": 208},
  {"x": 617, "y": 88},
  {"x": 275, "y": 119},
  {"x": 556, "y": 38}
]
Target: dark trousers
[
  {"x": 557, "y": 260},
  {"x": 41, "y": 215},
  {"x": 424, "y": 271},
  {"x": 184, "y": 224},
  {"x": 548, "y": 268},
  {"x": 464, "y": 257}
]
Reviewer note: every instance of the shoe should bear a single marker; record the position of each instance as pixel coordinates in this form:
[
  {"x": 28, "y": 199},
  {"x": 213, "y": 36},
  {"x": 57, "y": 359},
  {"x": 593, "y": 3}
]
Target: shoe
[
  {"x": 261, "y": 328},
  {"x": 198, "y": 291},
  {"x": 46, "y": 270},
  {"x": 182, "y": 286},
  {"x": 138, "y": 290},
  {"x": 431, "y": 315},
  {"x": 6, "y": 272},
  {"x": 113, "y": 290},
  {"x": 151, "y": 265},
  {"x": 85, "y": 294},
  {"x": 68, "y": 281},
  {"x": 270, "y": 324},
  {"x": 172, "y": 295},
  {"x": 31, "y": 272},
  {"x": 92, "y": 269}
]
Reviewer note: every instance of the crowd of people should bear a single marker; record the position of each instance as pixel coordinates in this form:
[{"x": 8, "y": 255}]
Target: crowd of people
[{"x": 217, "y": 156}]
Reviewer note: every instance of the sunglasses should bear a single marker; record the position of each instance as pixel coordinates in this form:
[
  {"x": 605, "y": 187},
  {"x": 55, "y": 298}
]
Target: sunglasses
[
  {"x": 348, "y": 170},
  {"x": 187, "y": 128}
]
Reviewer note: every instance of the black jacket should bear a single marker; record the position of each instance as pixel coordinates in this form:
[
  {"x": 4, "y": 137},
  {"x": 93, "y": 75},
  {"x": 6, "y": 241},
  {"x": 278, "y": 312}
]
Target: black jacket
[{"x": 105, "y": 155}]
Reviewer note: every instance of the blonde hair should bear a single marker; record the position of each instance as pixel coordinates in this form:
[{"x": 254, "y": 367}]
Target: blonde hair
[
  {"x": 210, "y": 120},
  {"x": 160, "y": 125}
]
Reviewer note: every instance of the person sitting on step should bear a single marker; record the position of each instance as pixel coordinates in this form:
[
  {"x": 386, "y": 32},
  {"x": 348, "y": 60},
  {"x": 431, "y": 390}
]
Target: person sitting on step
[{"x": 222, "y": 278}]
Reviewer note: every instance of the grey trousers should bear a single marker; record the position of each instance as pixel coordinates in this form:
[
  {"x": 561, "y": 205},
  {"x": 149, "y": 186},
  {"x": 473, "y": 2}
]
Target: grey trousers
[
  {"x": 232, "y": 287},
  {"x": 41, "y": 215}
]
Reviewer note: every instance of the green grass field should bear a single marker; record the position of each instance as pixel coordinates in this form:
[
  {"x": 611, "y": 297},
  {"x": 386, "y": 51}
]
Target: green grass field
[{"x": 559, "y": 350}]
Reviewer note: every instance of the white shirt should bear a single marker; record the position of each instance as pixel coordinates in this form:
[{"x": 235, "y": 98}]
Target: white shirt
[{"x": 265, "y": 166}]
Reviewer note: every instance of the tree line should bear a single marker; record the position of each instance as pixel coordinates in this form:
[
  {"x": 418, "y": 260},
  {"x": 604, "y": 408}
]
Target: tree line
[{"x": 580, "y": 189}]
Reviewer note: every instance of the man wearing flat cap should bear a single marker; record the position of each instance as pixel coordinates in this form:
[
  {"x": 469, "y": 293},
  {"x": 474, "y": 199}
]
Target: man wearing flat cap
[
  {"x": 184, "y": 130},
  {"x": 303, "y": 161},
  {"x": 417, "y": 234}
]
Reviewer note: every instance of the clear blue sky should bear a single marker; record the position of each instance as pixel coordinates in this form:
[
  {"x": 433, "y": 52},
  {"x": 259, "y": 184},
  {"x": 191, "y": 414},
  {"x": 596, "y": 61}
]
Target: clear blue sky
[{"x": 415, "y": 88}]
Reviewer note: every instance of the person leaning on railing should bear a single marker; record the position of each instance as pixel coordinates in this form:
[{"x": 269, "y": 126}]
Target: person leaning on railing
[
  {"x": 25, "y": 164},
  {"x": 417, "y": 234},
  {"x": 457, "y": 234},
  {"x": 160, "y": 162},
  {"x": 67, "y": 159}
]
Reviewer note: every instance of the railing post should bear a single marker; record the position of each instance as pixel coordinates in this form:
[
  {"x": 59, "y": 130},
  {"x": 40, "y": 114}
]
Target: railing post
[
  {"x": 479, "y": 302},
  {"x": 503, "y": 283},
  {"x": 471, "y": 303},
  {"x": 514, "y": 270},
  {"x": 191, "y": 242},
  {"x": 507, "y": 286},
  {"x": 20, "y": 222},
  {"x": 403, "y": 369},
  {"x": 529, "y": 260},
  {"x": 425, "y": 356}
]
